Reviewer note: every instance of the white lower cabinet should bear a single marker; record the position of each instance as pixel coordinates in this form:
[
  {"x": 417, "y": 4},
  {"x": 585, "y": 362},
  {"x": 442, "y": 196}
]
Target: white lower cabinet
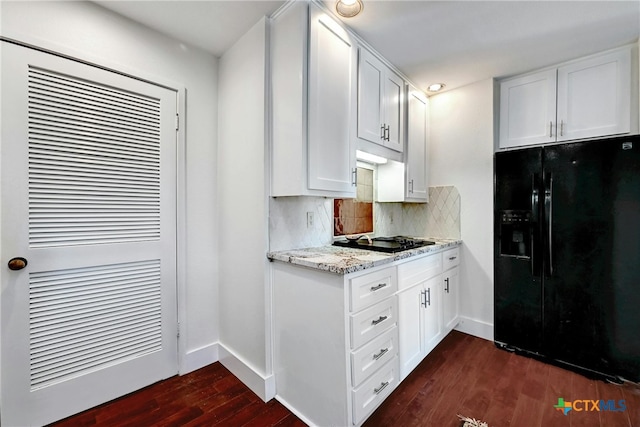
[
  {"x": 419, "y": 310},
  {"x": 342, "y": 343},
  {"x": 428, "y": 300},
  {"x": 450, "y": 288},
  {"x": 334, "y": 364}
]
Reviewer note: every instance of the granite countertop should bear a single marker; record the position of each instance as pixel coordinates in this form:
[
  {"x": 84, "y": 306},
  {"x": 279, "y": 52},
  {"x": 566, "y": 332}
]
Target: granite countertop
[{"x": 341, "y": 260}]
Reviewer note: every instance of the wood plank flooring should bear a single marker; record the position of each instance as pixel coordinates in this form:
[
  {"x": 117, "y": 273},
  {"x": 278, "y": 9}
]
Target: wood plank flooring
[
  {"x": 469, "y": 376},
  {"x": 464, "y": 375}
]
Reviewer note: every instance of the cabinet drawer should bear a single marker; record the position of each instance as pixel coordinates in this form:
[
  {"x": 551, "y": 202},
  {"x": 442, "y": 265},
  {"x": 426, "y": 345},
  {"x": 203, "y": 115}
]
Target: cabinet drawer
[
  {"x": 450, "y": 258},
  {"x": 370, "y": 357},
  {"x": 372, "y": 321},
  {"x": 416, "y": 271},
  {"x": 372, "y": 392},
  {"x": 370, "y": 288}
]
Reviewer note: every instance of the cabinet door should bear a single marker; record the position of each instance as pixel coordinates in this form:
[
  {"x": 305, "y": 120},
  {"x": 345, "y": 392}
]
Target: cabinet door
[
  {"x": 528, "y": 110},
  {"x": 410, "y": 329},
  {"x": 594, "y": 97},
  {"x": 430, "y": 304},
  {"x": 450, "y": 298},
  {"x": 393, "y": 101},
  {"x": 332, "y": 92},
  {"x": 416, "y": 158},
  {"x": 370, "y": 78}
]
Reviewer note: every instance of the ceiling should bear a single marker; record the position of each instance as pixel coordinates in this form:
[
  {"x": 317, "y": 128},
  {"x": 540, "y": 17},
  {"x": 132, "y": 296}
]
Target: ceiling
[{"x": 453, "y": 42}]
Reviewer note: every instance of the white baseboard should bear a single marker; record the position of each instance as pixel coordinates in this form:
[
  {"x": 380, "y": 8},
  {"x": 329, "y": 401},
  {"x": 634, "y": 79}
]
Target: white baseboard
[
  {"x": 264, "y": 387},
  {"x": 199, "y": 358},
  {"x": 293, "y": 410},
  {"x": 476, "y": 328}
]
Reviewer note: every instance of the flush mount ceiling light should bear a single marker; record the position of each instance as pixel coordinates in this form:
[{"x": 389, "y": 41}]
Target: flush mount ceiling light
[
  {"x": 349, "y": 8},
  {"x": 436, "y": 87}
]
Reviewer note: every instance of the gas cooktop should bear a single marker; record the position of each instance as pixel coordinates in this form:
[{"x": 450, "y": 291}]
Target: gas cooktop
[{"x": 384, "y": 244}]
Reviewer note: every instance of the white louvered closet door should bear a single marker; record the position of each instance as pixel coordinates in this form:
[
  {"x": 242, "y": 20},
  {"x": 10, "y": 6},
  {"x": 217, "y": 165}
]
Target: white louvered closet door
[{"x": 88, "y": 168}]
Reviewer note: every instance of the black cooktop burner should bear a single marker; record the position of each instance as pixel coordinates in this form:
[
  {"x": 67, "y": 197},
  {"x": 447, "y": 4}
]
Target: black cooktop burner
[{"x": 384, "y": 244}]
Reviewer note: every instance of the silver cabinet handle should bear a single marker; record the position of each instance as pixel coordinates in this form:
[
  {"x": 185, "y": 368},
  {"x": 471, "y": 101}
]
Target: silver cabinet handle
[
  {"x": 378, "y": 286},
  {"x": 428, "y": 296},
  {"x": 550, "y": 129},
  {"x": 382, "y": 353},
  {"x": 382, "y": 387},
  {"x": 561, "y": 127},
  {"x": 410, "y": 186},
  {"x": 446, "y": 288},
  {"x": 379, "y": 320},
  {"x": 354, "y": 176},
  {"x": 423, "y": 298},
  {"x": 386, "y": 133},
  {"x": 382, "y": 131},
  {"x": 451, "y": 258}
]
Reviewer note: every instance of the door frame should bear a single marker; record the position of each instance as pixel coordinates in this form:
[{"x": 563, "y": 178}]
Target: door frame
[{"x": 181, "y": 162}]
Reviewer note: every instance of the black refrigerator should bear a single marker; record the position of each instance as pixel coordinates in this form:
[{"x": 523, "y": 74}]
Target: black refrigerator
[{"x": 567, "y": 255}]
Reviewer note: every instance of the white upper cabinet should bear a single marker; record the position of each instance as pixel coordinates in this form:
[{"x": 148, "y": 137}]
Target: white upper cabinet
[
  {"x": 407, "y": 182},
  {"x": 417, "y": 188},
  {"x": 332, "y": 95},
  {"x": 594, "y": 97},
  {"x": 528, "y": 109},
  {"x": 582, "y": 99},
  {"x": 314, "y": 91},
  {"x": 380, "y": 102}
]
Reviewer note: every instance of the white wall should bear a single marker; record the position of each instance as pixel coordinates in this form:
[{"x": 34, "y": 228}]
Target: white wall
[
  {"x": 461, "y": 154},
  {"x": 87, "y": 31},
  {"x": 243, "y": 218}
]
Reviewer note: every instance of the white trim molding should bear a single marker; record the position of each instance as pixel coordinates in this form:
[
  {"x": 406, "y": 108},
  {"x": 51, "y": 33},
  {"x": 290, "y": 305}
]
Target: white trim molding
[
  {"x": 263, "y": 386},
  {"x": 477, "y": 328},
  {"x": 199, "y": 358}
]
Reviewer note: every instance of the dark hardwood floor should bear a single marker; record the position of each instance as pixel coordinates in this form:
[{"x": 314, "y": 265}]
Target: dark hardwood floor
[{"x": 463, "y": 375}]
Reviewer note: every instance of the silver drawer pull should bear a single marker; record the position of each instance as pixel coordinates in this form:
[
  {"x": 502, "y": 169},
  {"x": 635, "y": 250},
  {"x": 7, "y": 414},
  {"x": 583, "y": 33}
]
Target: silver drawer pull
[
  {"x": 382, "y": 353},
  {"x": 382, "y": 387},
  {"x": 379, "y": 320},
  {"x": 451, "y": 258},
  {"x": 378, "y": 286}
]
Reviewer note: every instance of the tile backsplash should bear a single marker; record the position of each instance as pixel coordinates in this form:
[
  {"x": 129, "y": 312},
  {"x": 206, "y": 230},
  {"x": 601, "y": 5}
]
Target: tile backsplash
[
  {"x": 443, "y": 212},
  {"x": 288, "y": 224}
]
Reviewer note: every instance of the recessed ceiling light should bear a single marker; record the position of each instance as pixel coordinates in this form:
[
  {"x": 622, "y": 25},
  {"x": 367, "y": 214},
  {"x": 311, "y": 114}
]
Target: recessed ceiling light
[
  {"x": 349, "y": 8},
  {"x": 436, "y": 87}
]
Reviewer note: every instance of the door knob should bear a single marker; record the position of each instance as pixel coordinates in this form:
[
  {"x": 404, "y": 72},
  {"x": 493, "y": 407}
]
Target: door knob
[{"x": 17, "y": 263}]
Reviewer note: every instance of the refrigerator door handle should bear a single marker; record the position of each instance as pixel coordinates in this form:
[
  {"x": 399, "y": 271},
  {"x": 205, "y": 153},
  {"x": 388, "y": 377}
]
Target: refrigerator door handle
[
  {"x": 535, "y": 202},
  {"x": 548, "y": 213}
]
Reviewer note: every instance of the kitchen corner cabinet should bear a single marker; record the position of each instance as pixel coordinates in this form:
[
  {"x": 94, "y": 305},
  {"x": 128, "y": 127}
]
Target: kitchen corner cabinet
[
  {"x": 450, "y": 289},
  {"x": 313, "y": 93},
  {"x": 582, "y": 99},
  {"x": 335, "y": 342},
  {"x": 408, "y": 181},
  {"x": 380, "y": 102}
]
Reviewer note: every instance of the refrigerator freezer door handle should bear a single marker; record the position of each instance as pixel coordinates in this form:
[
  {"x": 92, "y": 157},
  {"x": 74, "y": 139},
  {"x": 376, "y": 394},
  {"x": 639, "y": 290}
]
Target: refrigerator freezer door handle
[
  {"x": 535, "y": 200},
  {"x": 534, "y": 197},
  {"x": 548, "y": 213}
]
